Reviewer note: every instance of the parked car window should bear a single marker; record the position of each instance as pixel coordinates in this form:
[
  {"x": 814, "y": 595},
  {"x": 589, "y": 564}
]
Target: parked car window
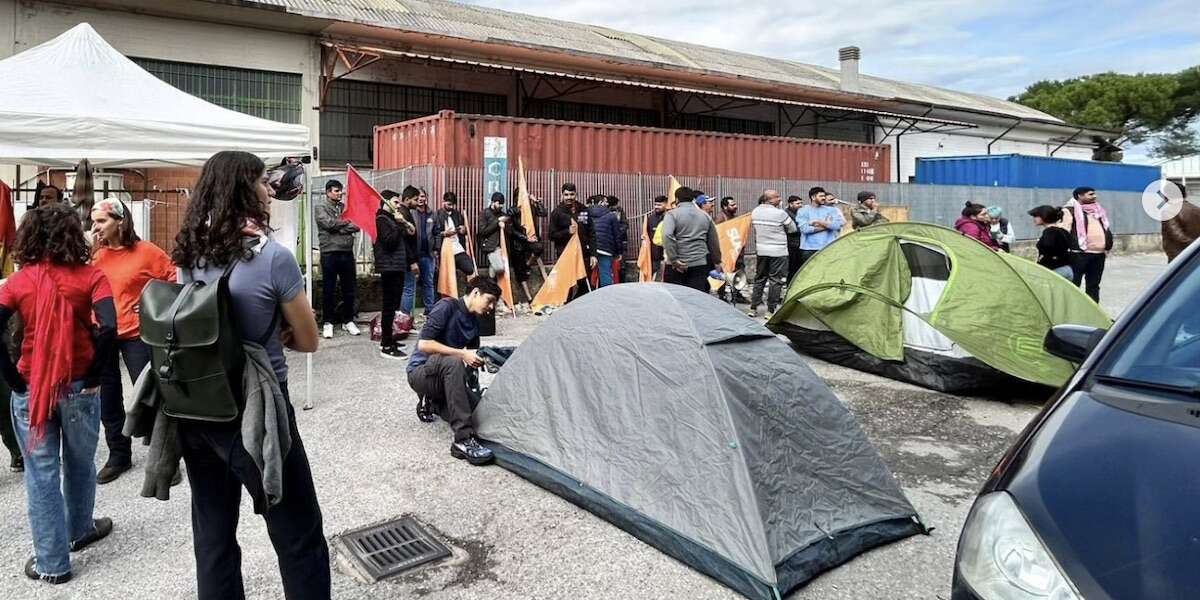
[{"x": 1162, "y": 348}]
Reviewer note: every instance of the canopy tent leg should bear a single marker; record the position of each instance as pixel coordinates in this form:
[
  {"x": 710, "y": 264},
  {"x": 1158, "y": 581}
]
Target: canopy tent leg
[{"x": 306, "y": 212}]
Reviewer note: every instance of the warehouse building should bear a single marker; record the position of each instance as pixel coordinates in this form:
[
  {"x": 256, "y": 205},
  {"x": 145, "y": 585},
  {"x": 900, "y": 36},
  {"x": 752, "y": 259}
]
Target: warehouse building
[{"x": 342, "y": 67}]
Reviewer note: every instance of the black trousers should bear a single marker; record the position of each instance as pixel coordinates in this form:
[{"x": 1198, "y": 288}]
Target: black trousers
[
  {"x": 794, "y": 261},
  {"x": 392, "y": 286},
  {"x": 112, "y": 405},
  {"x": 694, "y": 277},
  {"x": 1090, "y": 267},
  {"x": 769, "y": 272},
  {"x": 337, "y": 267},
  {"x": 804, "y": 256},
  {"x": 218, "y": 467},
  {"x": 443, "y": 381},
  {"x": 7, "y": 433}
]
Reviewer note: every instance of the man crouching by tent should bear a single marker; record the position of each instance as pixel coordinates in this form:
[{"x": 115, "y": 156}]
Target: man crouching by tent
[{"x": 437, "y": 371}]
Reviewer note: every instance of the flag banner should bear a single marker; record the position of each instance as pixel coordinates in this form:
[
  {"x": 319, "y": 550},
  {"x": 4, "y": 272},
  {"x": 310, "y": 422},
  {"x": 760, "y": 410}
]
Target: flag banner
[
  {"x": 733, "y": 234},
  {"x": 524, "y": 204},
  {"x": 644, "y": 262},
  {"x": 8, "y": 230},
  {"x": 671, "y": 202},
  {"x": 505, "y": 279},
  {"x": 362, "y": 202},
  {"x": 566, "y": 273},
  {"x": 447, "y": 284}
]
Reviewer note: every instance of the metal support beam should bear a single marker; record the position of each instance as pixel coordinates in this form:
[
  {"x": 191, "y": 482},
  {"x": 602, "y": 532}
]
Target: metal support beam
[
  {"x": 1066, "y": 141},
  {"x": 1006, "y": 132},
  {"x": 352, "y": 60}
]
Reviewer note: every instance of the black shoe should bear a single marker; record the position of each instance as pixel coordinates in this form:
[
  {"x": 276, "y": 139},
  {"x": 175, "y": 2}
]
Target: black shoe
[
  {"x": 471, "y": 451},
  {"x": 111, "y": 472},
  {"x": 102, "y": 527},
  {"x": 32, "y": 573},
  {"x": 17, "y": 464},
  {"x": 425, "y": 410},
  {"x": 392, "y": 352}
]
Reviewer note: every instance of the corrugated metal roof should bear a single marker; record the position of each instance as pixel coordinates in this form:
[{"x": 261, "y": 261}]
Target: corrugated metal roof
[{"x": 497, "y": 26}]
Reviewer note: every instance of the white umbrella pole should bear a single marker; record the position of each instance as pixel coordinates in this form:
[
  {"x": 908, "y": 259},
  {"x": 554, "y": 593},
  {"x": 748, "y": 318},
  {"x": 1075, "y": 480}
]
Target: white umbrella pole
[{"x": 308, "y": 281}]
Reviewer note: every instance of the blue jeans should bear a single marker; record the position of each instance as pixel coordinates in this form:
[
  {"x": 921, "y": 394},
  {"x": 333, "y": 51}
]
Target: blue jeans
[
  {"x": 59, "y": 515},
  {"x": 1066, "y": 271},
  {"x": 424, "y": 280},
  {"x": 605, "y": 265}
]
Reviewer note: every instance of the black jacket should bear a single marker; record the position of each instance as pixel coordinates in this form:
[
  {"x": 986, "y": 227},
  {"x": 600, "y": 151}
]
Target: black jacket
[
  {"x": 410, "y": 239},
  {"x": 652, "y": 221},
  {"x": 560, "y": 226},
  {"x": 391, "y": 251},
  {"x": 439, "y": 226},
  {"x": 489, "y": 230},
  {"x": 793, "y": 238},
  {"x": 1054, "y": 248}
]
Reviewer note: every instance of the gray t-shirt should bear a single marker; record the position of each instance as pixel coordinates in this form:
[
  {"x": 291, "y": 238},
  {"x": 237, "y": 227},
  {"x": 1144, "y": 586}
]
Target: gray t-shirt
[{"x": 259, "y": 287}]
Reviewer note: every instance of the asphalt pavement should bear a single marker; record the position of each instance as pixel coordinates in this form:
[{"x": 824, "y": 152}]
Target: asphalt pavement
[{"x": 373, "y": 461}]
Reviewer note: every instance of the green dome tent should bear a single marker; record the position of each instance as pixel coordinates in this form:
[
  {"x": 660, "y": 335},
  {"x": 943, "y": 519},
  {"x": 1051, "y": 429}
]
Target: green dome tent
[
  {"x": 924, "y": 304},
  {"x": 671, "y": 415}
]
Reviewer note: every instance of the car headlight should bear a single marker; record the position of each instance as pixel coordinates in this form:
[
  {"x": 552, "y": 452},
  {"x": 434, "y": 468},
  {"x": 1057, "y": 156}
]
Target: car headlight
[{"x": 1001, "y": 558}]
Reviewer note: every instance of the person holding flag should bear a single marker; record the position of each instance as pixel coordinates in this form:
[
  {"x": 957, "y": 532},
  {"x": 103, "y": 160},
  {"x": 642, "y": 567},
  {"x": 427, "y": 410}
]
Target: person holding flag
[
  {"x": 690, "y": 243},
  {"x": 651, "y": 254},
  {"x": 449, "y": 234},
  {"x": 569, "y": 224},
  {"x": 392, "y": 264}
]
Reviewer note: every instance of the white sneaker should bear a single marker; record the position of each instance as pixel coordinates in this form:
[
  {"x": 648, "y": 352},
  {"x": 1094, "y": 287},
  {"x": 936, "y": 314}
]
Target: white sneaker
[
  {"x": 327, "y": 331},
  {"x": 351, "y": 328}
]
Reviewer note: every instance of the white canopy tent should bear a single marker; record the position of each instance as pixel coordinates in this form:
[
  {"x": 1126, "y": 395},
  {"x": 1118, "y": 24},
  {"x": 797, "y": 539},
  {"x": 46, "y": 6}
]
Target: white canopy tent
[{"x": 77, "y": 97}]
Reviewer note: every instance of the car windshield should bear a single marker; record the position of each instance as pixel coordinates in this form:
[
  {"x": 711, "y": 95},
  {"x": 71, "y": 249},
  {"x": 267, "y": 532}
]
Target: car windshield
[{"x": 1162, "y": 348}]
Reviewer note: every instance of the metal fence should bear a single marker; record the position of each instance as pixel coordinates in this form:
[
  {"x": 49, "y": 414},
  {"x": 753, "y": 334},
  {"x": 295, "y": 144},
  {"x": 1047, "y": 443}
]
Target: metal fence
[{"x": 940, "y": 204}]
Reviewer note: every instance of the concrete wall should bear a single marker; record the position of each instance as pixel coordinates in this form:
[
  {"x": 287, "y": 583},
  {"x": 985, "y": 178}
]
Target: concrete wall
[{"x": 170, "y": 39}]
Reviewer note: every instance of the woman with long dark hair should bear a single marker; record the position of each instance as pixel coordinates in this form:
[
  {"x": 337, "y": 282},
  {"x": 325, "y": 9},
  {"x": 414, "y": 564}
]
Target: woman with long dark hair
[
  {"x": 227, "y": 221},
  {"x": 976, "y": 224},
  {"x": 129, "y": 264},
  {"x": 56, "y": 385},
  {"x": 1054, "y": 245}
]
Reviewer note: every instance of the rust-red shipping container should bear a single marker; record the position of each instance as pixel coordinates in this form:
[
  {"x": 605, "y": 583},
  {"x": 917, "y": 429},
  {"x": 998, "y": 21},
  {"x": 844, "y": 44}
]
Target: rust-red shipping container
[{"x": 454, "y": 140}]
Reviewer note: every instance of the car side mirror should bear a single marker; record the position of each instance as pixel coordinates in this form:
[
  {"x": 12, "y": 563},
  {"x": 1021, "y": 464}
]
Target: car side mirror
[{"x": 1072, "y": 343}]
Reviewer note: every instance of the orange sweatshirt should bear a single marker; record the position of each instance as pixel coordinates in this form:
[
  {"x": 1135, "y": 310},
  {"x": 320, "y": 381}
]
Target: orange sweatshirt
[{"x": 128, "y": 271}]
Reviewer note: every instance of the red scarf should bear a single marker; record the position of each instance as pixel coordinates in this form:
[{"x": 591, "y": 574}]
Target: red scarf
[{"x": 53, "y": 359}]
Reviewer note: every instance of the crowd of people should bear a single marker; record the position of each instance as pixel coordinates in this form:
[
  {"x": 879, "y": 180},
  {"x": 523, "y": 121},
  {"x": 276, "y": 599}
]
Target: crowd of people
[{"x": 71, "y": 316}]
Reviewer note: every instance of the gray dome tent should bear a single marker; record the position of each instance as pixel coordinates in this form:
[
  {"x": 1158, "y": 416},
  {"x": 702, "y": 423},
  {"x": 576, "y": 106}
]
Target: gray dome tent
[{"x": 667, "y": 413}]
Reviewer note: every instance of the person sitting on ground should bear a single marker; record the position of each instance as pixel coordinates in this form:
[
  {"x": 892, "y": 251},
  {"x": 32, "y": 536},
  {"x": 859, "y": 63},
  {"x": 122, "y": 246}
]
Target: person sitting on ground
[
  {"x": 867, "y": 212},
  {"x": 976, "y": 224},
  {"x": 129, "y": 264},
  {"x": 392, "y": 264},
  {"x": 1054, "y": 246},
  {"x": 1000, "y": 229},
  {"x": 56, "y": 385},
  {"x": 437, "y": 370}
]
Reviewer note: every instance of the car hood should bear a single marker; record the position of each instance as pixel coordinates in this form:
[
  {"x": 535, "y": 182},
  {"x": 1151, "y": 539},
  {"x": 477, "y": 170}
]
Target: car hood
[{"x": 1115, "y": 496}]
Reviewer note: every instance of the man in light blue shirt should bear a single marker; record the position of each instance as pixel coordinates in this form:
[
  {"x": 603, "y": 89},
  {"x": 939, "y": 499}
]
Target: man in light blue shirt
[{"x": 821, "y": 223}]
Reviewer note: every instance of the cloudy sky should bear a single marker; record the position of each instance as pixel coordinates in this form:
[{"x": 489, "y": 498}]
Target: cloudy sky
[{"x": 984, "y": 46}]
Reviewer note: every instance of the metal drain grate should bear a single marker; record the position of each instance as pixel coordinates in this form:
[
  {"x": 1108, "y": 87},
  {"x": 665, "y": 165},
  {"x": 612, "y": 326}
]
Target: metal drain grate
[{"x": 394, "y": 547}]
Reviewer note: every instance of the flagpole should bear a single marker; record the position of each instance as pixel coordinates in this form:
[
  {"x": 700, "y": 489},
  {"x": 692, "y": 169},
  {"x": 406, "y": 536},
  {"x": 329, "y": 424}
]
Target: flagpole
[{"x": 308, "y": 280}]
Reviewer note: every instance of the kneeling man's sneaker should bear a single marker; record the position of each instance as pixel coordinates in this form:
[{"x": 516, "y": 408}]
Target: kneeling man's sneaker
[
  {"x": 471, "y": 451},
  {"x": 425, "y": 410}
]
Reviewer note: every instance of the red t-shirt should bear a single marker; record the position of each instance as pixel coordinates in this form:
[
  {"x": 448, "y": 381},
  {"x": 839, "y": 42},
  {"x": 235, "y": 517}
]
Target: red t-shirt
[{"x": 83, "y": 286}]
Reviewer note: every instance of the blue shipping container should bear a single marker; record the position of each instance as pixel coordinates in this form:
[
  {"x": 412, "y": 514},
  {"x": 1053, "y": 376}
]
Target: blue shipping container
[{"x": 1018, "y": 170}]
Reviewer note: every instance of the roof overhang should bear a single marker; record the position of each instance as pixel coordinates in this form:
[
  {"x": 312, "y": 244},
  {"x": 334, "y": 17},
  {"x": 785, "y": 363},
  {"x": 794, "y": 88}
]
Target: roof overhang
[{"x": 353, "y": 56}]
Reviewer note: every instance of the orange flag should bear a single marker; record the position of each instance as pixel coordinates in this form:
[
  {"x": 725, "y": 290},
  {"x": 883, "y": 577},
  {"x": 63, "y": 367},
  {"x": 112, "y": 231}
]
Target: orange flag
[
  {"x": 733, "y": 234},
  {"x": 566, "y": 273},
  {"x": 524, "y": 204},
  {"x": 504, "y": 280},
  {"x": 671, "y": 202},
  {"x": 645, "y": 262},
  {"x": 447, "y": 284}
]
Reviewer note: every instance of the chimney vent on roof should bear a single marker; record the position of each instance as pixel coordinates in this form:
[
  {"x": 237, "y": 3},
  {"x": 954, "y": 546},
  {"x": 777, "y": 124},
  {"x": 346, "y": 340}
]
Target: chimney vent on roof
[{"x": 848, "y": 57}]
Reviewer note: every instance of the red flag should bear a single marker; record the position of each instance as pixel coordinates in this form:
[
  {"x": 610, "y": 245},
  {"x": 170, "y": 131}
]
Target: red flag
[
  {"x": 362, "y": 202},
  {"x": 8, "y": 229}
]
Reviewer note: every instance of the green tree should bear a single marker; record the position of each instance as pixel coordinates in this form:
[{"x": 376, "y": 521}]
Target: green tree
[{"x": 1160, "y": 108}]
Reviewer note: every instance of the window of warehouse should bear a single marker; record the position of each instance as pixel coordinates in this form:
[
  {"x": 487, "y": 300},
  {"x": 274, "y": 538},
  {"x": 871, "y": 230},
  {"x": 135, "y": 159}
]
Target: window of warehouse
[
  {"x": 353, "y": 109},
  {"x": 266, "y": 94}
]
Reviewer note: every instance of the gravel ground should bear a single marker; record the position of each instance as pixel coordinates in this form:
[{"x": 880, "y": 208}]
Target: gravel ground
[{"x": 373, "y": 461}]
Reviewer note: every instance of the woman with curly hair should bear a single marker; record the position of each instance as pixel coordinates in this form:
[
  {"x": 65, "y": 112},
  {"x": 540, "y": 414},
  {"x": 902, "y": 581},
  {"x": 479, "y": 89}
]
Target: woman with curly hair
[
  {"x": 227, "y": 221},
  {"x": 56, "y": 385},
  {"x": 129, "y": 264}
]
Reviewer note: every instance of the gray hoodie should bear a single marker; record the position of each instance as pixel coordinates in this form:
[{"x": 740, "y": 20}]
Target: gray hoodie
[{"x": 334, "y": 234}]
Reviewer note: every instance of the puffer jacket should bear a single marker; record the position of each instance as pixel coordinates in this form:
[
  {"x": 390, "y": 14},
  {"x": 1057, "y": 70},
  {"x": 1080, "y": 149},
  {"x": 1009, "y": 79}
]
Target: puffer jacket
[
  {"x": 391, "y": 251},
  {"x": 976, "y": 230},
  {"x": 608, "y": 237}
]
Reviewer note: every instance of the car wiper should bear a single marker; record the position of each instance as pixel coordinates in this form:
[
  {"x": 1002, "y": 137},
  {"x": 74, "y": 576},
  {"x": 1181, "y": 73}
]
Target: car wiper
[{"x": 1152, "y": 385}]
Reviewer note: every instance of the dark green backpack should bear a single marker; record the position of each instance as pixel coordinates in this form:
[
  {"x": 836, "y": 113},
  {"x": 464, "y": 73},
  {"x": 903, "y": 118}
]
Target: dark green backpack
[{"x": 195, "y": 348}]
